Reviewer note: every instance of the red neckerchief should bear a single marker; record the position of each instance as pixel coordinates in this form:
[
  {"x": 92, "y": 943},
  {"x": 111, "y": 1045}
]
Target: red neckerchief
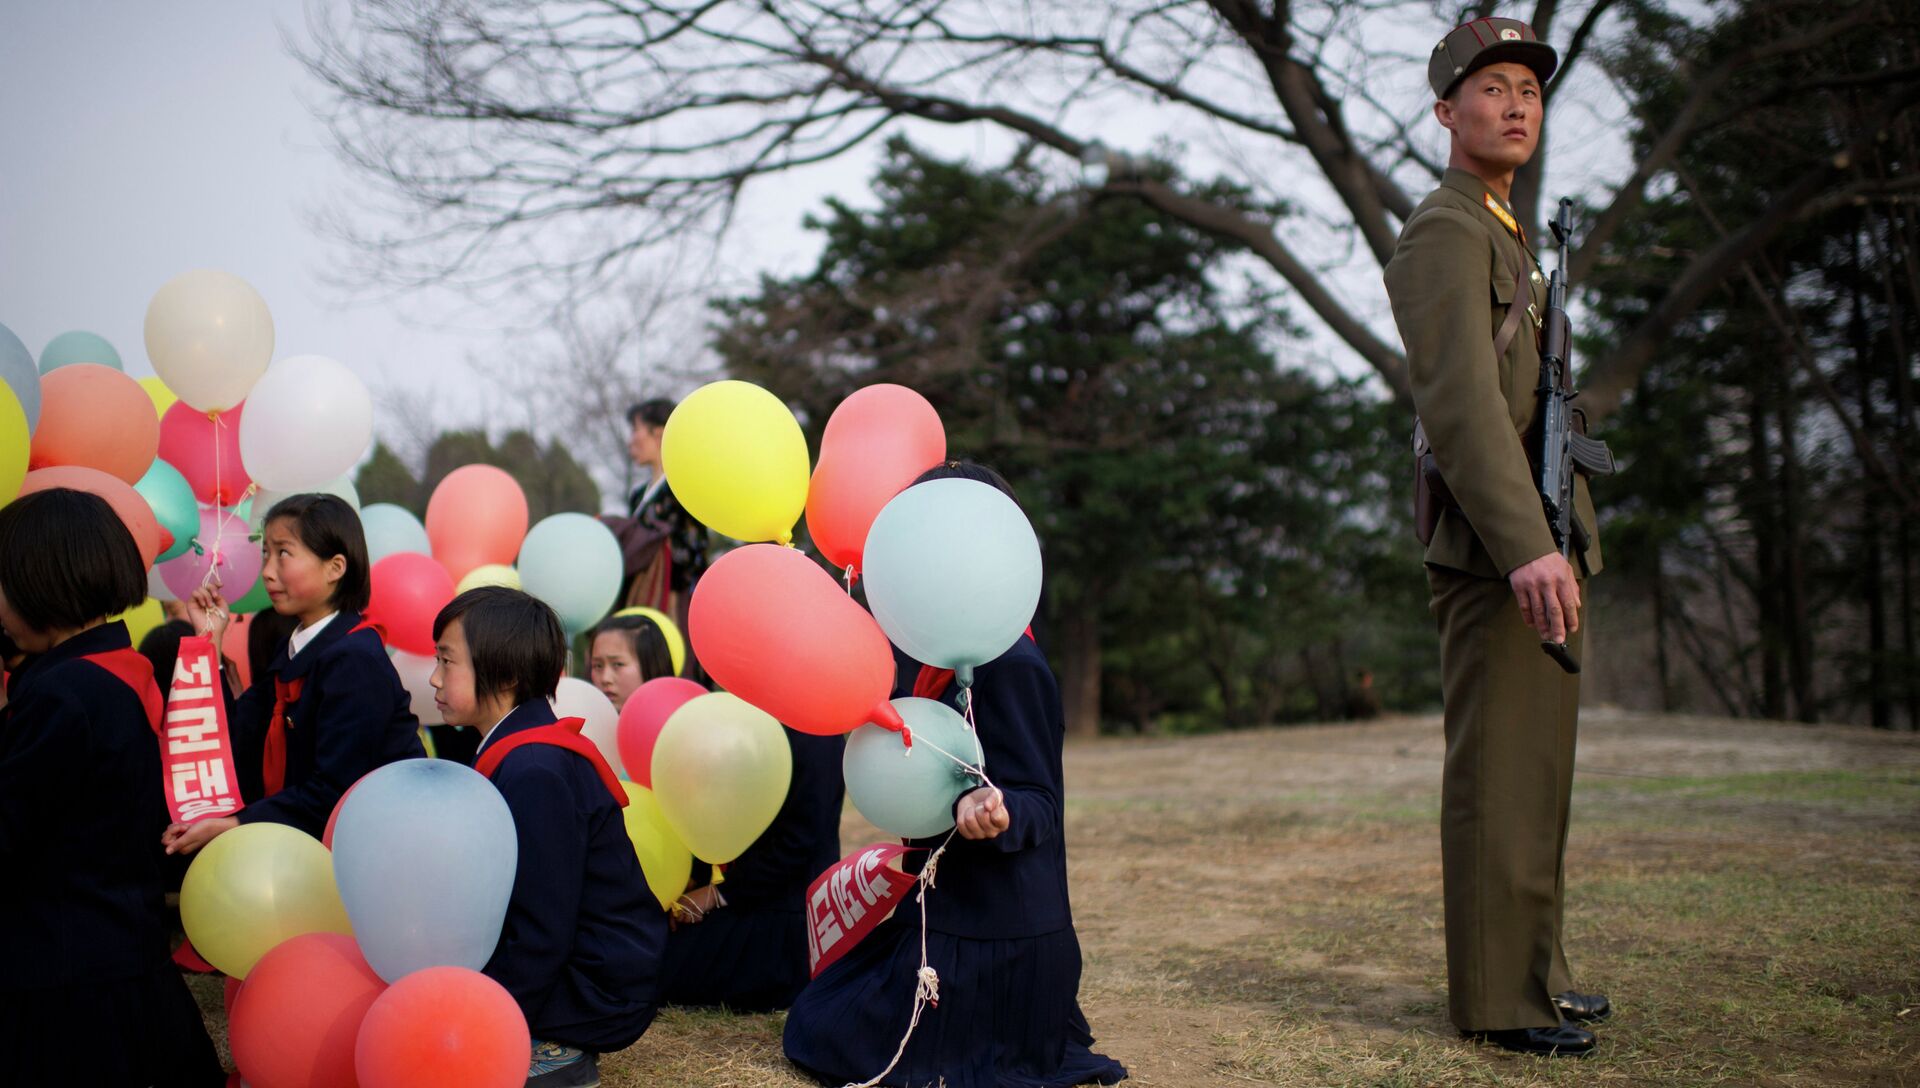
[
  {"x": 130, "y": 668},
  {"x": 564, "y": 733},
  {"x": 273, "y": 760},
  {"x": 932, "y": 683}
]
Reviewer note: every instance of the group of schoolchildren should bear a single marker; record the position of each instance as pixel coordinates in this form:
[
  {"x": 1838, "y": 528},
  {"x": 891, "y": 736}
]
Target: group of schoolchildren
[{"x": 91, "y": 995}]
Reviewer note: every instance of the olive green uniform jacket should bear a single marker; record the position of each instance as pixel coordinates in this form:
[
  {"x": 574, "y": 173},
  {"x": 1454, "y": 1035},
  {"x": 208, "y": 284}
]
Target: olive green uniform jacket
[{"x": 1450, "y": 280}]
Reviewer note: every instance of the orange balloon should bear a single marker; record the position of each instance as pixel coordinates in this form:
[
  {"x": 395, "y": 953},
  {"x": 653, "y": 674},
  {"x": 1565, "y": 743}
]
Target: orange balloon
[
  {"x": 95, "y": 416},
  {"x": 148, "y": 536},
  {"x": 295, "y": 1022},
  {"x": 476, "y": 516},
  {"x": 443, "y": 1027},
  {"x": 877, "y": 442},
  {"x": 785, "y": 637}
]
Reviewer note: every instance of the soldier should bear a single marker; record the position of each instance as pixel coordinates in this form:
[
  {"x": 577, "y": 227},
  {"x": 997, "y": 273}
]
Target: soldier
[{"x": 1467, "y": 295}]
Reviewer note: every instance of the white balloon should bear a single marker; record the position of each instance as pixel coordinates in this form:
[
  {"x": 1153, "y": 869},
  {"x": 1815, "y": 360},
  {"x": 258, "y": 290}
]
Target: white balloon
[
  {"x": 157, "y": 586},
  {"x": 578, "y": 699},
  {"x": 307, "y": 421},
  {"x": 263, "y": 499},
  {"x": 416, "y": 671},
  {"x": 210, "y": 338}
]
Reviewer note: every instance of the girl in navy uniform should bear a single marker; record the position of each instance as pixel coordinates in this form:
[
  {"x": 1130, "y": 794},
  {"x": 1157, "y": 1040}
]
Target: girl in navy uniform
[
  {"x": 999, "y": 927},
  {"x": 743, "y": 942},
  {"x": 330, "y": 708},
  {"x": 89, "y": 995},
  {"x": 581, "y": 947}
]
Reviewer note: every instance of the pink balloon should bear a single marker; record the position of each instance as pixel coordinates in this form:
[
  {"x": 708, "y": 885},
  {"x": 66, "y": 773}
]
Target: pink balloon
[
  {"x": 785, "y": 637},
  {"x": 476, "y": 515},
  {"x": 206, "y": 450},
  {"x": 409, "y": 590},
  {"x": 641, "y": 720},
  {"x": 224, "y": 549},
  {"x": 877, "y": 442}
]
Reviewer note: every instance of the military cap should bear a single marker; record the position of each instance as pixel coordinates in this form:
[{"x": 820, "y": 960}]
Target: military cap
[{"x": 1469, "y": 47}]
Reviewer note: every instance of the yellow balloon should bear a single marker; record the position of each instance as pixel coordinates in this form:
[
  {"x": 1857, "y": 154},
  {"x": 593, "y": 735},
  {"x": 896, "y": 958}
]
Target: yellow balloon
[
  {"x": 737, "y": 461},
  {"x": 491, "y": 574},
  {"x": 163, "y": 397},
  {"x": 255, "y": 886},
  {"x": 663, "y": 857},
  {"x": 16, "y": 443},
  {"x": 142, "y": 618},
  {"x": 676, "y": 642},
  {"x": 721, "y": 768}
]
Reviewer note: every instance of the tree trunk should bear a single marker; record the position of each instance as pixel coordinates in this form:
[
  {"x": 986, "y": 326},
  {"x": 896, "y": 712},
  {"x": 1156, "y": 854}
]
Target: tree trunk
[
  {"x": 1796, "y": 622},
  {"x": 1660, "y": 651},
  {"x": 1079, "y": 631},
  {"x": 1872, "y": 582},
  {"x": 1766, "y": 581}
]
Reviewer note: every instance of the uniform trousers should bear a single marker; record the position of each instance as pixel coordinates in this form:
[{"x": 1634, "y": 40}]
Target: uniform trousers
[{"x": 1511, "y": 717}]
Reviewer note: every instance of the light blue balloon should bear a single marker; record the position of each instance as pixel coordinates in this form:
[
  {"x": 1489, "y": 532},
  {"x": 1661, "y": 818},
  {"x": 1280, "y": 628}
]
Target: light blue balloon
[
  {"x": 572, "y": 562},
  {"x": 392, "y": 529},
  {"x": 911, "y": 793},
  {"x": 78, "y": 347},
  {"x": 953, "y": 573},
  {"x": 174, "y": 506},
  {"x": 424, "y": 852},
  {"x": 21, "y": 376}
]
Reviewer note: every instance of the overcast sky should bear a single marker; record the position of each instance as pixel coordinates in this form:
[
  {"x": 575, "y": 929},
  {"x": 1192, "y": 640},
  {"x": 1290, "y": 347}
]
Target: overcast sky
[{"x": 139, "y": 139}]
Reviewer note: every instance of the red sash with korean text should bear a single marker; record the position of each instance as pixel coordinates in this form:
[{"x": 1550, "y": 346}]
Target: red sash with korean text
[
  {"x": 196, "y": 751},
  {"x": 846, "y": 902}
]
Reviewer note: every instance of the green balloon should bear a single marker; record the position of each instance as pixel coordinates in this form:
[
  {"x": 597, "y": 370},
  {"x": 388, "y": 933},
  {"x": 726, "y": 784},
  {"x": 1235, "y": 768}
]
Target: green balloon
[
  {"x": 78, "y": 347},
  {"x": 254, "y": 600},
  {"x": 911, "y": 794},
  {"x": 173, "y": 506}
]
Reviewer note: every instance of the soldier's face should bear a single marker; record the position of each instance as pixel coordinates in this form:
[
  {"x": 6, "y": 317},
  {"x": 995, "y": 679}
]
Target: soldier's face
[{"x": 1495, "y": 115}]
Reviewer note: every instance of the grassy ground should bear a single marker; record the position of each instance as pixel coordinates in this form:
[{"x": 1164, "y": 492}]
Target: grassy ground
[{"x": 1265, "y": 908}]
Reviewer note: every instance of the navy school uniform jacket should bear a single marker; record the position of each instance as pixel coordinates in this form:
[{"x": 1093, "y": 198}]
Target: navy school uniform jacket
[
  {"x": 81, "y": 812},
  {"x": 584, "y": 936},
  {"x": 353, "y": 715},
  {"x": 1013, "y": 885}
]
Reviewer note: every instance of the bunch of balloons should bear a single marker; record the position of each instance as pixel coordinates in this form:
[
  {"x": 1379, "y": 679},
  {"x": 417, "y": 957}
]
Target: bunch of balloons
[
  {"x": 358, "y": 961},
  {"x": 179, "y": 454},
  {"x": 951, "y": 570}
]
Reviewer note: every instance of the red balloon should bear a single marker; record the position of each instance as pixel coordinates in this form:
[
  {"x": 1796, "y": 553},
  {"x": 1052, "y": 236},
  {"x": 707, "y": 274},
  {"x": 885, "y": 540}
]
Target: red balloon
[
  {"x": 233, "y": 646},
  {"x": 641, "y": 720},
  {"x": 877, "y": 442},
  {"x": 296, "y": 1021},
  {"x": 785, "y": 637},
  {"x": 206, "y": 450},
  {"x": 443, "y": 1027},
  {"x": 95, "y": 416},
  {"x": 476, "y": 516},
  {"x": 148, "y": 536},
  {"x": 409, "y": 590}
]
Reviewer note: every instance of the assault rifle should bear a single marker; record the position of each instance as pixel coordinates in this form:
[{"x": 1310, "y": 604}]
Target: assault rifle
[{"x": 1562, "y": 450}]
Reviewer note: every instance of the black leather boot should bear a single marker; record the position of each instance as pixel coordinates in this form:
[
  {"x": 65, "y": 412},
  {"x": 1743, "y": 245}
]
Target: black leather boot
[
  {"x": 1559, "y": 1041},
  {"x": 1583, "y": 1008}
]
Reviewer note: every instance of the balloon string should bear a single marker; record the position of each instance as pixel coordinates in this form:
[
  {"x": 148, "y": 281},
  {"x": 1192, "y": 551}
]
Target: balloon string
[
  {"x": 848, "y": 578},
  {"x": 926, "y": 987},
  {"x": 215, "y": 553}
]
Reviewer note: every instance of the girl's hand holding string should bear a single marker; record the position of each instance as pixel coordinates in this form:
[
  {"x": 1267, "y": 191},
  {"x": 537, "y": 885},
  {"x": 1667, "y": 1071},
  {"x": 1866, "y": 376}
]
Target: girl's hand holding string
[
  {"x": 981, "y": 814},
  {"x": 207, "y": 611}
]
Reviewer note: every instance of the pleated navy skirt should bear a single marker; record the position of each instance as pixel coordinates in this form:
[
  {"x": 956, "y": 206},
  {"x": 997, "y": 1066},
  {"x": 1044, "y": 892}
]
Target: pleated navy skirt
[
  {"x": 743, "y": 959},
  {"x": 131, "y": 1033},
  {"x": 1009, "y": 1014}
]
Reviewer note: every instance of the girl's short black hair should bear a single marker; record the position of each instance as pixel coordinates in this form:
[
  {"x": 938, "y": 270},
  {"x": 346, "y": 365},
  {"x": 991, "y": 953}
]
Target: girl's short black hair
[
  {"x": 327, "y": 526},
  {"x": 969, "y": 470},
  {"x": 66, "y": 559},
  {"x": 515, "y": 640},
  {"x": 645, "y": 641}
]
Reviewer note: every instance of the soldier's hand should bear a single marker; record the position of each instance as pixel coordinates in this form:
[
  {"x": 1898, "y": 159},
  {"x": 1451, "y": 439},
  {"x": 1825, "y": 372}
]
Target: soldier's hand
[{"x": 1549, "y": 596}]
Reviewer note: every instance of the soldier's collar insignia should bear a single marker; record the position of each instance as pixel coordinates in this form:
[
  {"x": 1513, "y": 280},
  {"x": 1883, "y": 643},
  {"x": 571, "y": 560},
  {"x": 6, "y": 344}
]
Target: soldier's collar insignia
[{"x": 1506, "y": 219}]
